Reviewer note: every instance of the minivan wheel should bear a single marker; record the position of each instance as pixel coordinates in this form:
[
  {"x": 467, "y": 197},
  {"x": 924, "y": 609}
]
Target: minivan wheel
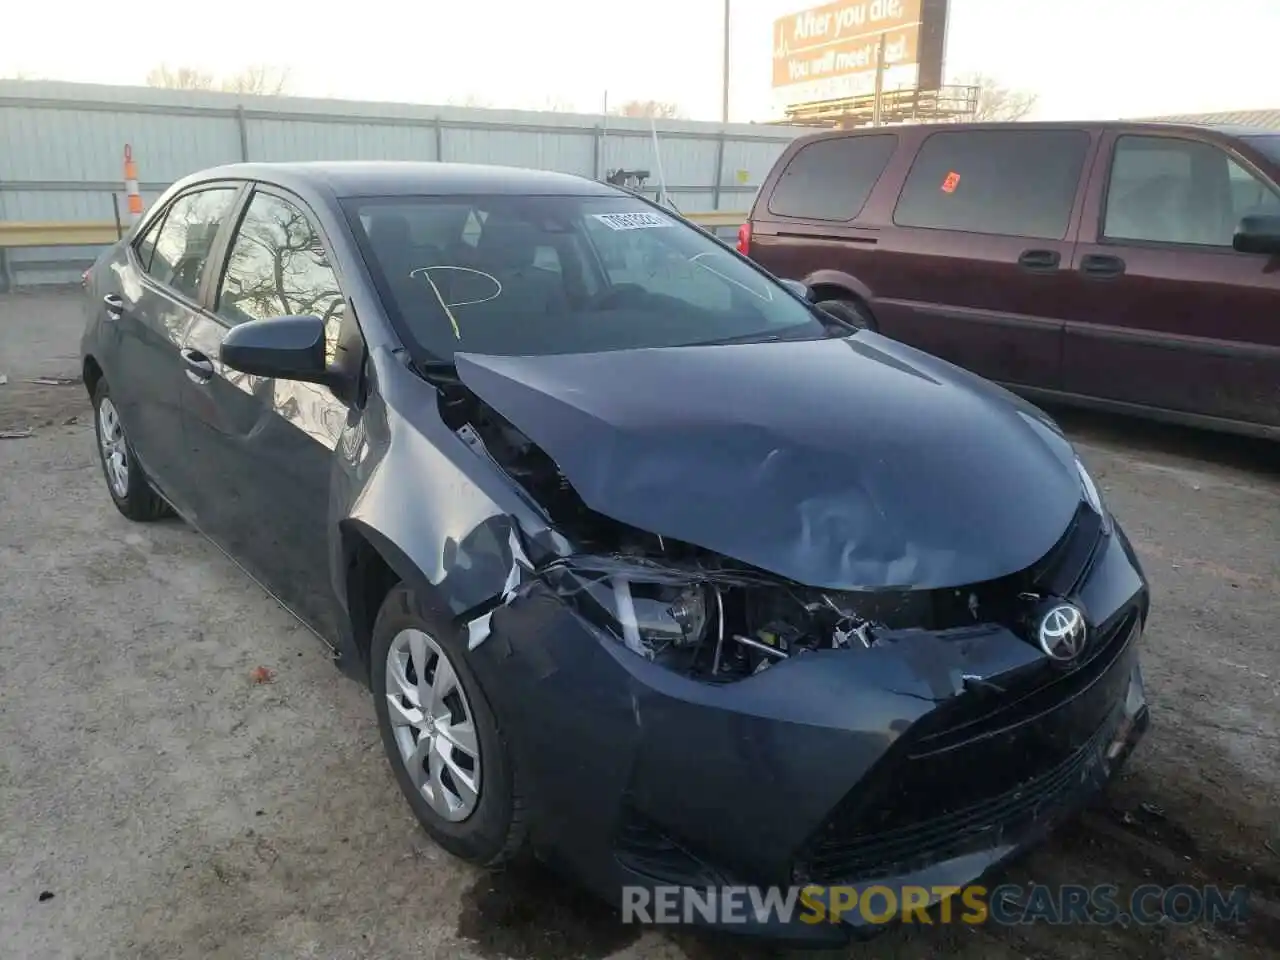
[
  {"x": 441, "y": 735},
  {"x": 129, "y": 487},
  {"x": 850, "y": 311}
]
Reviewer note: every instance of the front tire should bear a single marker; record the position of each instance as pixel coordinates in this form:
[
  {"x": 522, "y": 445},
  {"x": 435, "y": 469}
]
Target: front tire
[
  {"x": 128, "y": 485},
  {"x": 441, "y": 736},
  {"x": 851, "y": 312}
]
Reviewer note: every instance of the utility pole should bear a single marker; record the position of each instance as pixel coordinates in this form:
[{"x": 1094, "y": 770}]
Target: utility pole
[
  {"x": 724, "y": 103},
  {"x": 875, "y": 110}
]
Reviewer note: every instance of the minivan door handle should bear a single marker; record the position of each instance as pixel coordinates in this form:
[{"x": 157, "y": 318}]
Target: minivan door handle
[
  {"x": 114, "y": 304},
  {"x": 1101, "y": 265},
  {"x": 199, "y": 367},
  {"x": 1039, "y": 261}
]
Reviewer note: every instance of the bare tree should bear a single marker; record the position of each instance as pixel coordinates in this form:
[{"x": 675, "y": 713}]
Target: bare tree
[
  {"x": 997, "y": 102},
  {"x": 472, "y": 100},
  {"x": 554, "y": 103},
  {"x": 179, "y": 78},
  {"x": 658, "y": 109},
  {"x": 259, "y": 80}
]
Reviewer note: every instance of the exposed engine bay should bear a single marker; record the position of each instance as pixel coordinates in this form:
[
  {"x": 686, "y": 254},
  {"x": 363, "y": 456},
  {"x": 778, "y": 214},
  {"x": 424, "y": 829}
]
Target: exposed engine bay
[{"x": 693, "y": 611}]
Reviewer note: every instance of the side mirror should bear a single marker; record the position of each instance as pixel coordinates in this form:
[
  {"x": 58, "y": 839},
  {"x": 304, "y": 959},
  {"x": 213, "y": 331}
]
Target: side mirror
[
  {"x": 1258, "y": 233},
  {"x": 799, "y": 288},
  {"x": 284, "y": 348}
]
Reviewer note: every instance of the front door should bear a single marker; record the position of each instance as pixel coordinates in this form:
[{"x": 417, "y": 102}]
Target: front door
[
  {"x": 974, "y": 267},
  {"x": 160, "y": 279},
  {"x": 1171, "y": 316},
  {"x": 264, "y": 447}
]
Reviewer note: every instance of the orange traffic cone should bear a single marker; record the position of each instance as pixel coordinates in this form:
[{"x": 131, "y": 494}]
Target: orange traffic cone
[{"x": 131, "y": 185}]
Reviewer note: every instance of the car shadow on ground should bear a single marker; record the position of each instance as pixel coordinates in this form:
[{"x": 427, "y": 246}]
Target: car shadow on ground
[{"x": 1142, "y": 437}]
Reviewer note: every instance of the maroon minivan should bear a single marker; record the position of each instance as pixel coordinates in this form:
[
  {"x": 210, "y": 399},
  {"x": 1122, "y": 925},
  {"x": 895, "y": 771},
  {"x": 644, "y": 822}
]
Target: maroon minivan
[{"x": 1131, "y": 266}]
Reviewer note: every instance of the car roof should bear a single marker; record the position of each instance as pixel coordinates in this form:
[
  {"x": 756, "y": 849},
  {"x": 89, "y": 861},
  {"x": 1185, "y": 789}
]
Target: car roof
[
  {"x": 388, "y": 178},
  {"x": 1221, "y": 129}
]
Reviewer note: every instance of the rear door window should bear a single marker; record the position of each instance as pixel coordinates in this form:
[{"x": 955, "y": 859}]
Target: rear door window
[
  {"x": 831, "y": 179},
  {"x": 186, "y": 237},
  {"x": 145, "y": 246},
  {"x": 1019, "y": 183},
  {"x": 1172, "y": 190}
]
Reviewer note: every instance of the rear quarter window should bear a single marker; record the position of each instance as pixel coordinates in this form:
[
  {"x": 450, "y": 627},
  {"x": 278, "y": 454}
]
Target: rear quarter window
[
  {"x": 1019, "y": 183},
  {"x": 831, "y": 179}
]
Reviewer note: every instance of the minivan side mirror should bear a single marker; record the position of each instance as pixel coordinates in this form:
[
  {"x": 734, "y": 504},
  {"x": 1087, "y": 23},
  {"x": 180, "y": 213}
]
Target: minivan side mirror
[
  {"x": 284, "y": 348},
  {"x": 1258, "y": 233},
  {"x": 799, "y": 288}
]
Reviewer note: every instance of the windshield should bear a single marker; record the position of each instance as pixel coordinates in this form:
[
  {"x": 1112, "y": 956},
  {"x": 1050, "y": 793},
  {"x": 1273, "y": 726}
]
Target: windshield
[
  {"x": 543, "y": 275},
  {"x": 1270, "y": 145}
]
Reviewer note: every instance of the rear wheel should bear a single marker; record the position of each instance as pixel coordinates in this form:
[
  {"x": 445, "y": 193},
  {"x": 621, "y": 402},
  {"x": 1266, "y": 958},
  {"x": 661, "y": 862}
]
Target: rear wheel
[
  {"x": 129, "y": 487},
  {"x": 441, "y": 735},
  {"x": 850, "y": 311}
]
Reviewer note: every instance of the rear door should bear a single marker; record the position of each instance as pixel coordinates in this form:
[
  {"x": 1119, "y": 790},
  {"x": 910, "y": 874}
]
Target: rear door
[
  {"x": 161, "y": 280},
  {"x": 1169, "y": 315},
  {"x": 976, "y": 267},
  {"x": 263, "y": 446}
]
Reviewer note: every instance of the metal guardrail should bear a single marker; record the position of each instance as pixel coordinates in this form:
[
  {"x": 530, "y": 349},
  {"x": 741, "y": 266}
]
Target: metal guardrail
[
  {"x": 16, "y": 233},
  {"x": 718, "y": 219}
]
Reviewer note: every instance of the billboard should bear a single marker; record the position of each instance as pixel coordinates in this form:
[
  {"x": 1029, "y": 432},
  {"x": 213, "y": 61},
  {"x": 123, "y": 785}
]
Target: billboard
[{"x": 829, "y": 52}]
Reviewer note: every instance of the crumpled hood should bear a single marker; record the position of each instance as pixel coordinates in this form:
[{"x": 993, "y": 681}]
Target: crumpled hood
[{"x": 842, "y": 464}]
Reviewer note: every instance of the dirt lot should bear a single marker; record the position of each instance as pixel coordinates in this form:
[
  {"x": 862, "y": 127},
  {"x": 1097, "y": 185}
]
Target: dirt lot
[{"x": 156, "y": 802}]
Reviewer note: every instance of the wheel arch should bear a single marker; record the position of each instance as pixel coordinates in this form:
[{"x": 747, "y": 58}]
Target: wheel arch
[
  {"x": 91, "y": 374},
  {"x": 373, "y": 563},
  {"x": 838, "y": 285}
]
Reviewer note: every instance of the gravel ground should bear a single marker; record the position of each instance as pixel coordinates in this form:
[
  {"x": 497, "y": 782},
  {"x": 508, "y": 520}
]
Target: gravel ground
[{"x": 155, "y": 801}]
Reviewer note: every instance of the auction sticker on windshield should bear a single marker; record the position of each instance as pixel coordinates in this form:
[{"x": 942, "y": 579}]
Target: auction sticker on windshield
[{"x": 632, "y": 221}]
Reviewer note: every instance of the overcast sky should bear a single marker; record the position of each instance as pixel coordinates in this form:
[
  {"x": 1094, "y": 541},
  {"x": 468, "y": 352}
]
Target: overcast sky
[{"x": 1084, "y": 58}]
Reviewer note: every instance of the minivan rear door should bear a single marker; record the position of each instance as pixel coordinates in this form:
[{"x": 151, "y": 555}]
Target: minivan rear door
[
  {"x": 975, "y": 266},
  {"x": 1169, "y": 315}
]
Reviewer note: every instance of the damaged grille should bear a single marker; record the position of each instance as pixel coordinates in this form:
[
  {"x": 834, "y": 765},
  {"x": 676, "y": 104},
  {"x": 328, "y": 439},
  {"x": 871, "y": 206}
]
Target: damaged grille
[
  {"x": 974, "y": 767},
  {"x": 979, "y": 825}
]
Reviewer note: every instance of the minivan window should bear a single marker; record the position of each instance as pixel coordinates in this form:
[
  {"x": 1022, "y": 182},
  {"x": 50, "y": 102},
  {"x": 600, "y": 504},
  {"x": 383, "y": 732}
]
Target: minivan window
[
  {"x": 831, "y": 179},
  {"x": 186, "y": 238},
  {"x": 525, "y": 275},
  {"x": 1173, "y": 190},
  {"x": 1270, "y": 145},
  {"x": 1019, "y": 183}
]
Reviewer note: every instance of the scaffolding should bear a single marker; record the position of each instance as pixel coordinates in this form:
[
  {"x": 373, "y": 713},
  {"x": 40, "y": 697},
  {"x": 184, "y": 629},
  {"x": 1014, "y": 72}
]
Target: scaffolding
[{"x": 947, "y": 104}]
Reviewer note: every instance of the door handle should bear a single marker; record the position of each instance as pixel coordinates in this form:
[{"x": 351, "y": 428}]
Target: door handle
[
  {"x": 115, "y": 306},
  {"x": 1101, "y": 266},
  {"x": 1040, "y": 261},
  {"x": 199, "y": 367}
]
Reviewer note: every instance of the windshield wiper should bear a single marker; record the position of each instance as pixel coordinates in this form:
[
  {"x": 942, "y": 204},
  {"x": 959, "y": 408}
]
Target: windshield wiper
[
  {"x": 741, "y": 338},
  {"x": 435, "y": 371}
]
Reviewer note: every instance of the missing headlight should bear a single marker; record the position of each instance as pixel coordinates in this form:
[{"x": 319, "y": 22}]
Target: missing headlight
[
  {"x": 654, "y": 616},
  {"x": 709, "y": 624}
]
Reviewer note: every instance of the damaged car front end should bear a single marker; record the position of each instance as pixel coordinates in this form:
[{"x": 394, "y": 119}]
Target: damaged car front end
[
  {"x": 686, "y": 717},
  {"x": 800, "y": 606}
]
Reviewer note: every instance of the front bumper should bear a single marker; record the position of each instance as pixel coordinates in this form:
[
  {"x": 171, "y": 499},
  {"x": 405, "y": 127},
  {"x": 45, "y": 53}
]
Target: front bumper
[{"x": 839, "y": 768}]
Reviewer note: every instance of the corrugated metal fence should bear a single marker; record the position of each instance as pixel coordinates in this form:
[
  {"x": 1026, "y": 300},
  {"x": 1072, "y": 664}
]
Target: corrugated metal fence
[{"x": 61, "y": 149}]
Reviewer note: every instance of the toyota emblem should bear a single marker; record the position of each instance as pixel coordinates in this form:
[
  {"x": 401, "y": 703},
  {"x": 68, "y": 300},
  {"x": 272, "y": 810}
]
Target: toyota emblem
[{"x": 1063, "y": 632}]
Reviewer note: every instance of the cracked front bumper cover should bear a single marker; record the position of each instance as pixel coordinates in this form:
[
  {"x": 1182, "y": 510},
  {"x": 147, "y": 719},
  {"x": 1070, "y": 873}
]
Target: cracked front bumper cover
[{"x": 838, "y": 767}]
